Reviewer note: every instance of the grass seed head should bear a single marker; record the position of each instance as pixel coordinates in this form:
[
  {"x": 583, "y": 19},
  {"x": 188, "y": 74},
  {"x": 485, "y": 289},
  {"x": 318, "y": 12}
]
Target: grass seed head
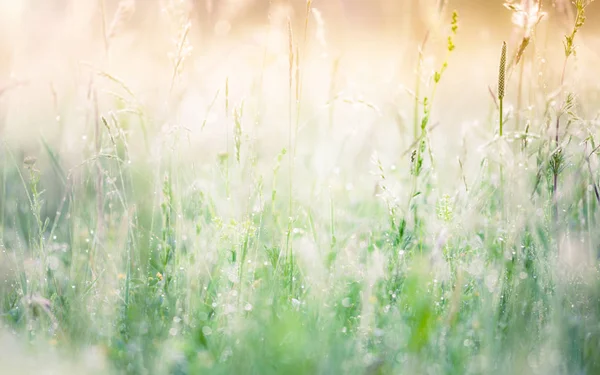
[
  {"x": 29, "y": 161},
  {"x": 502, "y": 72},
  {"x": 124, "y": 11}
]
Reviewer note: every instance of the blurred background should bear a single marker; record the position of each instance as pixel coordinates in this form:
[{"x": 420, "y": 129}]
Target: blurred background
[
  {"x": 173, "y": 77},
  {"x": 52, "y": 50},
  {"x": 357, "y": 50}
]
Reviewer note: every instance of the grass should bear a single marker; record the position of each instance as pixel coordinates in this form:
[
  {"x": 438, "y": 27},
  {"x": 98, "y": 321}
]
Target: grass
[{"x": 265, "y": 229}]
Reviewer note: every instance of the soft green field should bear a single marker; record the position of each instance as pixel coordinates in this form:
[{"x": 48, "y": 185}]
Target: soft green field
[{"x": 297, "y": 206}]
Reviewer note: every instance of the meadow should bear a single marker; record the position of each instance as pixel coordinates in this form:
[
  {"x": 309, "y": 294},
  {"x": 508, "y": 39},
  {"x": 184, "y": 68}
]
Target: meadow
[{"x": 288, "y": 199}]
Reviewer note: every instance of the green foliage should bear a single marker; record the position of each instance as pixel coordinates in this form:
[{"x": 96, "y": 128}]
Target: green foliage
[{"x": 205, "y": 265}]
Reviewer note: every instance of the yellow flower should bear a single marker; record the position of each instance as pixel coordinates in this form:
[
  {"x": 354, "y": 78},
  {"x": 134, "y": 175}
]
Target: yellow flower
[{"x": 159, "y": 276}]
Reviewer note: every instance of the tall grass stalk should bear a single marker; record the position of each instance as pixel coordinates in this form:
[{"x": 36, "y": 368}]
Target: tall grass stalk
[
  {"x": 293, "y": 72},
  {"x": 100, "y": 226},
  {"x": 501, "y": 93},
  {"x": 557, "y": 157},
  {"x": 417, "y": 157}
]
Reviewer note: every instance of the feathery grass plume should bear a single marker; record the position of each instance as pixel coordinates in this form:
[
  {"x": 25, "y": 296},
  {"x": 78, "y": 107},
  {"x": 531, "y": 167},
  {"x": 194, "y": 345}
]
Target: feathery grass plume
[
  {"x": 169, "y": 242},
  {"x": 521, "y": 50},
  {"x": 383, "y": 191},
  {"x": 178, "y": 12},
  {"x": 124, "y": 11},
  {"x": 36, "y": 204},
  {"x": 557, "y": 157},
  {"x": 569, "y": 42},
  {"x": 519, "y": 55},
  {"x": 237, "y": 130},
  {"x": 579, "y": 21},
  {"x": 526, "y": 15},
  {"x": 308, "y": 11},
  {"x": 502, "y": 83}
]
